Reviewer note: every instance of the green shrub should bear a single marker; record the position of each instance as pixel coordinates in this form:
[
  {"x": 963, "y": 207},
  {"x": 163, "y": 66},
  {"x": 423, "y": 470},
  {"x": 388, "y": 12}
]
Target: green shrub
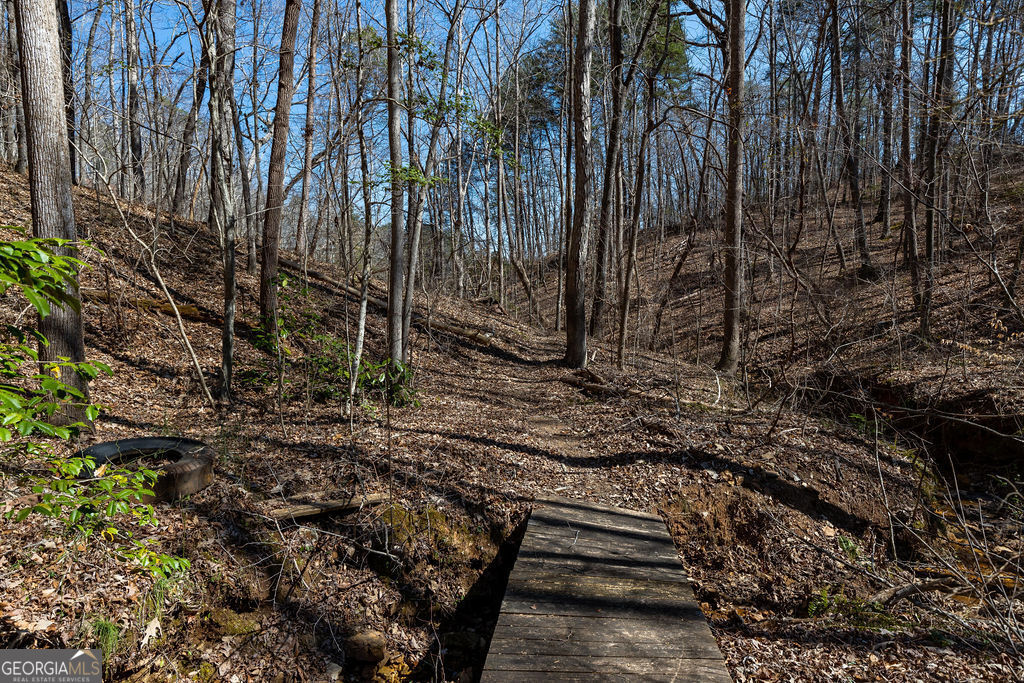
[{"x": 31, "y": 394}]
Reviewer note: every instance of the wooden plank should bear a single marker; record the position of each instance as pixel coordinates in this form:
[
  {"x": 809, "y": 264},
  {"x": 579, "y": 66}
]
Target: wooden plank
[
  {"x": 575, "y": 504},
  {"x": 688, "y": 625},
  {"x": 570, "y": 542},
  {"x": 549, "y": 515},
  {"x": 543, "y": 567},
  {"x": 614, "y": 537},
  {"x": 598, "y": 594},
  {"x": 597, "y": 587},
  {"x": 681, "y": 669},
  {"x": 593, "y": 677},
  {"x": 557, "y": 552},
  {"x": 555, "y": 642},
  {"x": 645, "y": 607},
  {"x": 597, "y": 530}
]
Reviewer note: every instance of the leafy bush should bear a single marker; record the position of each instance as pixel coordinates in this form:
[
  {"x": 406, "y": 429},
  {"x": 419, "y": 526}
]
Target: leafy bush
[
  {"x": 329, "y": 368},
  {"x": 31, "y": 393},
  {"x": 852, "y": 611},
  {"x": 326, "y": 364}
]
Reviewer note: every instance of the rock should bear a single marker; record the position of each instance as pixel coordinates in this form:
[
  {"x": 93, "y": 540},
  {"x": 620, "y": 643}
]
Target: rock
[
  {"x": 333, "y": 671},
  {"x": 366, "y": 646}
]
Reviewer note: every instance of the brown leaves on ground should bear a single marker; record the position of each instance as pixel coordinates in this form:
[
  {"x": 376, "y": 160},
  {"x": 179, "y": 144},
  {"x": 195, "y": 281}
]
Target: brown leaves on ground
[{"x": 768, "y": 507}]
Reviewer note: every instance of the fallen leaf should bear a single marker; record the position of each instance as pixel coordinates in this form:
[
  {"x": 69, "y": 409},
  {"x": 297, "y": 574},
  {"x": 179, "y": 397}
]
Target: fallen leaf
[{"x": 152, "y": 629}]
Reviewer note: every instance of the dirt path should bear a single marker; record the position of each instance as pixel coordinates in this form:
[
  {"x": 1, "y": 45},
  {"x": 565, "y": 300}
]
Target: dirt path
[{"x": 507, "y": 408}]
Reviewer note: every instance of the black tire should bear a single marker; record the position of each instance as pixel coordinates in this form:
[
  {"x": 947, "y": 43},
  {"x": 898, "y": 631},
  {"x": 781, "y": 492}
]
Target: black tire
[{"x": 190, "y": 471}]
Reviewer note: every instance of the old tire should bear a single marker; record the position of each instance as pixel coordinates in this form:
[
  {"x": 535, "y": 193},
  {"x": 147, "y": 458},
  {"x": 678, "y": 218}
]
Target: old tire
[{"x": 190, "y": 469}]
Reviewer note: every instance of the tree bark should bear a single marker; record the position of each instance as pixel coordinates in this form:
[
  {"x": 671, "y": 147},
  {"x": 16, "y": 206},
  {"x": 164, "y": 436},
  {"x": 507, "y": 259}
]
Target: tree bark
[
  {"x": 906, "y": 164},
  {"x": 275, "y": 171},
  {"x": 885, "y": 96},
  {"x": 188, "y": 135},
  {"x": 49, "y": 172},
  {"x": 365, "y": 190},
  {"x": 21, "y": 162},
  {"x": 932, "y": 154},
  {"x": 396, "y": 277},
  {"x": 728, "y": 362},
  {"x": 850, "y": 134},
  {"x": 301, "y": 240},
  {"x": 132, "y": 76},
  {"x": 612, "y": 169},
  {"x": 221, "y": 47},
  {"x": 575, "y": 282},
  {"x": 64, "y": 17}
]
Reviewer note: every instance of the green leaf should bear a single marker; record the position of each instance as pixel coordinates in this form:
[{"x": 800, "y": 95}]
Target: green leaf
[{"x": 41, "y": 304}]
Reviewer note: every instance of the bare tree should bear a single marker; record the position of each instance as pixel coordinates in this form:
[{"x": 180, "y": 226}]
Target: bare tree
[
  {"x": 396, "y": 278},
  {"x": 301, "y": 239},
  {"x": 220, "y": 48},
  {"x": 275, "y": 172},
  {"x": 189, "y": 133},
  {"x": 132, "y": 74}
]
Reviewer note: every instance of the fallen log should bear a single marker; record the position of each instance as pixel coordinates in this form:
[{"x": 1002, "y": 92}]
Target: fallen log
[
  {"x": 324, "y": 507},
  {"x": 99, "y": 295},
  {"x": 476, "y": 336},
  {"x": 595, "y": 387},
  {"x": 895, "y": 593}
]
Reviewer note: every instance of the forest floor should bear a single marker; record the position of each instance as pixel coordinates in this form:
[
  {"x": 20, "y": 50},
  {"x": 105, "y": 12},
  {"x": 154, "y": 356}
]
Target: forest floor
[{"x": 777, "y": 512}]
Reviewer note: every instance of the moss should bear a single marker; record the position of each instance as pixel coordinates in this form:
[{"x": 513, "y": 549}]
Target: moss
[
  {"x": 231, "y": 623},
  {"x": 207, "y": 672},
  {"x": 408, "y": 526}
]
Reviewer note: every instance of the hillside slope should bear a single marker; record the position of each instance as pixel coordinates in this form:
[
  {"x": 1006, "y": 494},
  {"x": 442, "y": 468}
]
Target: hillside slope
[{"x": 776, "y": 513}]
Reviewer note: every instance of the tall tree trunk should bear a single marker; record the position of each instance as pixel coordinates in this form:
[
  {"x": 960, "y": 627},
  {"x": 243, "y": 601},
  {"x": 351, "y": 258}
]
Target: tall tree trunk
[
  {"x": 931, "y": 177},
  {"x": 49, "y": 173},
  {"x": 365, "y": 191},
  {"x": 221, "y": 50},
  {"x": 246, "y": 183},
  {"x": 906, "y": 163},
  {"x": 132, "y": 77},
  {"x": 885, "y": 95},
  {"x": 396, "y": 277},
  {"x": 418, "y": 191},
  {"x": 64, "y": 20},
  {"x": 301, "y": 240},
  {"x": 612, "y": 169},
  {"x": 575, "y": 282},
  {"x": 642, "y": 164},
  {"x": 188, "y": 135},
  {"x": 275, "y": 171},
  {"x": 86, "y": 117},
  {"x": 851, "y": 134},
  {"x": 728, "y": 362},
  {"x": 565, "y": 227},
  {"x": 21, "y": 163}
]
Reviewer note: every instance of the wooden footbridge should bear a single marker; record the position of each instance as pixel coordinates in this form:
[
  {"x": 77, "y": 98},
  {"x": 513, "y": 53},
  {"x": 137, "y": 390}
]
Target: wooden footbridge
[{"x": 598, "y": 594}]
